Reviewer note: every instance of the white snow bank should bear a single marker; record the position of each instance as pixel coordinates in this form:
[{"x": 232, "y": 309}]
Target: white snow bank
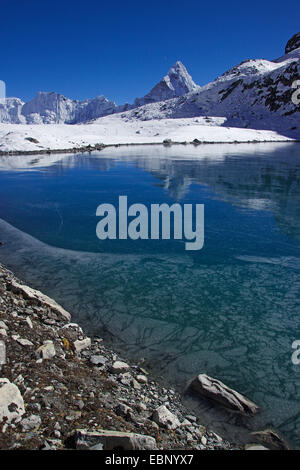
[{"x": 117, "y": 130}]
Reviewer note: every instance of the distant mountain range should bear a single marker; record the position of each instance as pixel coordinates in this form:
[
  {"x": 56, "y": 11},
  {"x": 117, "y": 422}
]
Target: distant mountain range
[{"x": 255, "y": 94}]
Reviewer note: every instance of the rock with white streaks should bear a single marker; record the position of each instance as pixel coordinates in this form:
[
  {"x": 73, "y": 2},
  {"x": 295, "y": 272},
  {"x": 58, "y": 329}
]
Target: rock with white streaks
[{"x": 216, "y": 390}]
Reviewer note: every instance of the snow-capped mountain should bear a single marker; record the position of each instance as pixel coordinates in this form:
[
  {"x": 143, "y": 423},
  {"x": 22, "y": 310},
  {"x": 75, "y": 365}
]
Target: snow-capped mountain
[
  {"x": 10, "y": 111},
  {"x": 254, "y": 94},
  {"x": 177, "y": 82},
  {"x": 54, "y": 108},
  {"x": 50, "y": 108}
]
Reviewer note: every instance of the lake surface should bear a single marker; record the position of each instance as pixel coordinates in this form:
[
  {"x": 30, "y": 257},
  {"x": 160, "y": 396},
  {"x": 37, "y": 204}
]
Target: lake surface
[{"x": 231, "y": 310}]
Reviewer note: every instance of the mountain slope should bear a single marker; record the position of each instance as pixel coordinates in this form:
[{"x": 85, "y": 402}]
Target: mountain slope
[{"x": 254, "y": 94}]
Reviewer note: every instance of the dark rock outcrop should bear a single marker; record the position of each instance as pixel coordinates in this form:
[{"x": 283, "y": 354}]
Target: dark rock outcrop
[{"x": 293, "y": 43}]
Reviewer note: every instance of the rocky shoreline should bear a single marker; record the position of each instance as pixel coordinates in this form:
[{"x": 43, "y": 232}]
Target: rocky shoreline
[
  {"x": 60, "y": 389},
  {"x": 100, "y": 146}
]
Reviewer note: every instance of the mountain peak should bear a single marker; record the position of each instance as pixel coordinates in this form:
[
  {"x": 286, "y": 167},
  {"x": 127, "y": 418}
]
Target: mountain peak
[{"x": 176, "y": 83}]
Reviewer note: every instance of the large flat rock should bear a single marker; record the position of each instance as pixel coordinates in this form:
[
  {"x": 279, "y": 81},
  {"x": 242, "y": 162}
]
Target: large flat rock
[
  {"x": 39, "y": 298},
  {"x": 216, "y": 390},
  {"x": 114, "y": 440}
]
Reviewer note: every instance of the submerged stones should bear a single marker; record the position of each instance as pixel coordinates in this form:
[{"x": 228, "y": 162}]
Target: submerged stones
[
  {"x": 216, "y": 390},
  {"x": 269, "y": 439}
]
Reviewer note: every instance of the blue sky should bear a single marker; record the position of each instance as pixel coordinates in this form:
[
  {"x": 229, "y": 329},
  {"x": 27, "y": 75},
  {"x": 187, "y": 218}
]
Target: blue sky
[{"x": 121, "y": 49}]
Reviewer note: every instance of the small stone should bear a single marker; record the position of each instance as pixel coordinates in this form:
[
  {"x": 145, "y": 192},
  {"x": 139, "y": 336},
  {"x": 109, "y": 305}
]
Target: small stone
[
  {"x": 46, "y": 351},
  {"x": 142, "y": 379},
  {"x": 80, "y": 404},
  {"x": 135, "y": 384},
  {"x": 203, "y": 440},
  {"x": 125, "y": 411},
  {"x": 165, "y": 418},
  {"x": 3, "y": 325},
  {"x": 24, "y": 342},
  {"x": 29, "y": 322},
  {"x": 98, "y": 360},
  {"x": 33, "y": 422},
  {"x": 119, "y": 367},
  {"x": 191, "y": 418},
  {"x": 3, "y": 332},
  {"x": 80, "y": 345}
]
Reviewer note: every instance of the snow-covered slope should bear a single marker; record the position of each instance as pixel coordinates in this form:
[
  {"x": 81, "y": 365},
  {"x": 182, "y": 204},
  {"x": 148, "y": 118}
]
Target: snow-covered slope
[
  {"x": 254, "y": 94},
  {"x": 177, "y": 82},
  {"x": 116, "y": 130}
]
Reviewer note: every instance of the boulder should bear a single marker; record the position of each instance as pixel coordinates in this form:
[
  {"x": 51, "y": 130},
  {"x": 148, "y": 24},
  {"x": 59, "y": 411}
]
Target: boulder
[
  {"x": 270, "y": 439},
  {"x": 11, "y": 401},
  {"x": 113, "y": 440},
  {"x": 216, "y": 390},
  {"x": 165, "y": 418},
  {"x": 119, "y": 367}
]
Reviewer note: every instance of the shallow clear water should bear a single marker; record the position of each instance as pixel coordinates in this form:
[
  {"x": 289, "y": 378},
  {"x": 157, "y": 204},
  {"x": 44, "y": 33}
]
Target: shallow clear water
[{"x": 231, "y": 310}]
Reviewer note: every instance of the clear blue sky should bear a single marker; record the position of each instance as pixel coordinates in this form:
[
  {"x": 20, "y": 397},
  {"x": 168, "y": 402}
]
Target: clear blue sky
[{"x": 121, "y": 49}]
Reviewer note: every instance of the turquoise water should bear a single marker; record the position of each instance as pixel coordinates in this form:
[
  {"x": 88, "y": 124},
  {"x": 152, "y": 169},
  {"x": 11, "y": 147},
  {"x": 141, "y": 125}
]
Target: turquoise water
[{"x": 231, "y": 310}]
